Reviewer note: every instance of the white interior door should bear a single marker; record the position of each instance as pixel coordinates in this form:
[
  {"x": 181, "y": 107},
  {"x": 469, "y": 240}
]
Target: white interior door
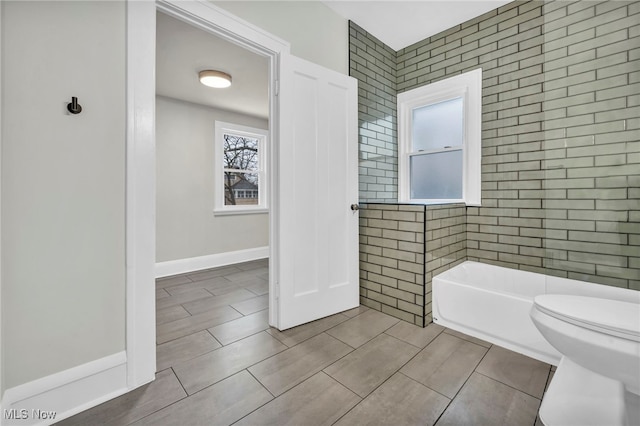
[{"x": 318, "y": 182}]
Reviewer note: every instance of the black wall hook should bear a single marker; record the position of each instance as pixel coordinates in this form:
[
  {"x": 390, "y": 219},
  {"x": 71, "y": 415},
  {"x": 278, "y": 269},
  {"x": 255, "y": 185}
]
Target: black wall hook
[{"x": 74, "y": 107}]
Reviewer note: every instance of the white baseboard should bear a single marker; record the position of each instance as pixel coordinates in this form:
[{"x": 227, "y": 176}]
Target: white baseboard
[
  {"x": 66, "y": 393},
  {"x": 181, "y": 266}
]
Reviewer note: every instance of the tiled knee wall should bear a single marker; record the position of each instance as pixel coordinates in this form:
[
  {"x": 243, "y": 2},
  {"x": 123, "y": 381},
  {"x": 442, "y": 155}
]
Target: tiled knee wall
[
  {"x": 392, "y": 260},
  {"x": 401, "y": 248}
]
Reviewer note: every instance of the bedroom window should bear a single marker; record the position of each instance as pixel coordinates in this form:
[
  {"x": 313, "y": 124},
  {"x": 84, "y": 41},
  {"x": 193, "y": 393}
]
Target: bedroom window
[
  {"x": 439, "y": 141},
  {"x": 240, "y": 169}
]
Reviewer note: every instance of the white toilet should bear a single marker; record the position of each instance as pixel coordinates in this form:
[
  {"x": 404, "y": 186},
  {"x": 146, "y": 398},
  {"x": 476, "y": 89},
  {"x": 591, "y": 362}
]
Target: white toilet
[{"x": 598, "y": 379}]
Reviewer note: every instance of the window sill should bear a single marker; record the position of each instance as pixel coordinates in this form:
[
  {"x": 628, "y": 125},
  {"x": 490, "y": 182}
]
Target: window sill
[
  {"x": 439, "y": 202},
  {"x": 432, "y": 202},
  {"x": 260, "y": 210}
]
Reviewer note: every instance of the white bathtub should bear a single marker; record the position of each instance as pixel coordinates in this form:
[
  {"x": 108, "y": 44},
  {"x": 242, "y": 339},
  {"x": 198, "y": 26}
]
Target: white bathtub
[{"x": 493, "y": 303}]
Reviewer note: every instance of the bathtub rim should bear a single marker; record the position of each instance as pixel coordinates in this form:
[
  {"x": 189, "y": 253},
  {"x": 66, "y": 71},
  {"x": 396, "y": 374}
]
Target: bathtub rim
[{"x": 556, "y": 285}]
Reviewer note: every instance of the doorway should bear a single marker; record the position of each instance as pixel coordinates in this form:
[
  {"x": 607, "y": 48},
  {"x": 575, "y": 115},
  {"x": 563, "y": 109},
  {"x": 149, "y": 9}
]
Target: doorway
[
  {"x": 212, "y": 220},
  {"x": 211, "y": 152},
  {"x": 320, "y": 107},
  {"x": 141, "y": 184}
]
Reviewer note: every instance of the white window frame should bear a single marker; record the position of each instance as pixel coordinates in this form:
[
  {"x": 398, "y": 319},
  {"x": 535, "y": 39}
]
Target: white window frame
[
  {"x": 467, "y": 86},
  {"x": 222, "y": 128}
]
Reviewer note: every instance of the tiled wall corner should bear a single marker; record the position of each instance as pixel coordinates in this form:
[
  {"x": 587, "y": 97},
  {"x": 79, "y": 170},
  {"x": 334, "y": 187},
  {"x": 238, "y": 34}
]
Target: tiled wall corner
[
  {"x": 392, "y": 260},
  {"x": 445, "y": 244},
  {"x": 373, "y": 64},
  {"x": 401, "y": 248}
]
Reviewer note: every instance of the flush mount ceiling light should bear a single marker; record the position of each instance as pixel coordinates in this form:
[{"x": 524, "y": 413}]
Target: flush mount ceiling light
[{"x": 217, "y": 79}]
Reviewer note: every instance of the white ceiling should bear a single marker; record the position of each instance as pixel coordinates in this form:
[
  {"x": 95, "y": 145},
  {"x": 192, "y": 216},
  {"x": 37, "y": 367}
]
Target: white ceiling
[
  {"x": 399, "y": 24},
  {"x": 183, "y": 51}
]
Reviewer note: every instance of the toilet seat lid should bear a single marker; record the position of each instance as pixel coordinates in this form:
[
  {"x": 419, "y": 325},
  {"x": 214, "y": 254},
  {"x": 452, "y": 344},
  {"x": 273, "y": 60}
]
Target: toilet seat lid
[{"x": 604, "y": 315}]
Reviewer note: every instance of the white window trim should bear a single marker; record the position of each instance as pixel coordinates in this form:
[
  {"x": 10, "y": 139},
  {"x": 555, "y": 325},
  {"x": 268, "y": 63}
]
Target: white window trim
[
  {"x": 262, "y": 135},
  {"x": 469, "y": 87}
]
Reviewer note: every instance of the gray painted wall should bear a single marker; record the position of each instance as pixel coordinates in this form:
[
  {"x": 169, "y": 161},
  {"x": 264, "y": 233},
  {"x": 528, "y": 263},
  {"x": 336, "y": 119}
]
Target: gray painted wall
[
  {"x": 186, "y": 226},
  {"x": 63, "y": 177},
  {"x": 316, "y": 33},
  {"x": 63, "y": 186}
]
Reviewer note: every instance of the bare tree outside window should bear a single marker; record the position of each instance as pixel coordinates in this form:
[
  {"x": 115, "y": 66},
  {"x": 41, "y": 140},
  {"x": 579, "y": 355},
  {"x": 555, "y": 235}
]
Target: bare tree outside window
[{"x": 241, "y": 169}]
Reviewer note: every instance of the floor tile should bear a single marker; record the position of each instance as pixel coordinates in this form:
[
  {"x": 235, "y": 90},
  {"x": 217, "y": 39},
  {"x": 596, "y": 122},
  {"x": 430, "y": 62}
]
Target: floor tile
[
  {"x": 362, "y": 328},
  {"x": 212, "y": 367},
  {"x": 226, "y": 289},
  {"x": 290, "y": 363},
  {"x": 187, "y": 296},
  {"x": 184, "y": 349},
  {"x": 259, "y": 288},
  {"x": 551, "y": 374},
  {"x": 253, "y": 265},
  {"x": 513, "y": 369},
  {"x": 399, "y": 401},
  {"x": 205, "y": 304},
  {"x": 468, "y": 338},
  {"x": 171, "y": 313},
  {"x": 212, "y": 273},
  {"x": 210, "y": 285},
  {"x": 250, "y": 280},
  {"x": 285, "y": 370},
  {"x": 161, "y": 294},
  {"x": 251, "y": 306},
  {"x": 169, "y": 281},
  {"x": 484, "y": 401},
  {"x": 445, "y": 364},
  {"x": 185, "y": 326},
  {"x": 240, "y": 328},
  {"x": 221, "y": 404},
  {"x": 417, "y": 336},
  {"x": 371, "y": 364},
  {"x": 299, "y": 334},
  {"x": 134, "y": 405},
  {"x": 319, "y": 400},
  {"x": 241, "y": 276},
  {"x": 355, "y": 311}
]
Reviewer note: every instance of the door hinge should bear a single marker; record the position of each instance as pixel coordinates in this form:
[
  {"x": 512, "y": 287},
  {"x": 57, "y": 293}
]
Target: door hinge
[{"x": 277, "y": 88}]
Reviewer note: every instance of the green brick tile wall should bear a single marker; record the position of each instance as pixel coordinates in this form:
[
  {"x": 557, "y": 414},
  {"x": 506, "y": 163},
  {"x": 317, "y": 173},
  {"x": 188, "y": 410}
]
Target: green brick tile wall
[
  {"x": 561, "y": 132},
  {"x": 374, "y": 65},
  {"x": 592, "y": 142}
]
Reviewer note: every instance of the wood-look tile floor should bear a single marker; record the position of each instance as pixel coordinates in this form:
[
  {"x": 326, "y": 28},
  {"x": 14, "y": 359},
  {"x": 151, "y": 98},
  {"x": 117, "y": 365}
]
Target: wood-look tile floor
[{"x": 220, "y": 363}]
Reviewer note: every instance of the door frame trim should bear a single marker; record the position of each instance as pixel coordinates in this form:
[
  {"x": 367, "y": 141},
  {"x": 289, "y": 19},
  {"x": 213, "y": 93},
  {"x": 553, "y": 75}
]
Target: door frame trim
[{"x": 140, "y": 166}]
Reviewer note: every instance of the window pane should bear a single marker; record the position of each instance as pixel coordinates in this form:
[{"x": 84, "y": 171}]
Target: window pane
[
  {"x": 240, "y": 152},
  {"x": 437, "y": 176},
  {"x": 240, "y": 189},
  {"x": 437, "y": 125}
]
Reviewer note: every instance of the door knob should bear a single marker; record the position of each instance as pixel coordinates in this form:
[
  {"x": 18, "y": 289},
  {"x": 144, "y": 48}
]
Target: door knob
[{"x": 355, "y": 207}]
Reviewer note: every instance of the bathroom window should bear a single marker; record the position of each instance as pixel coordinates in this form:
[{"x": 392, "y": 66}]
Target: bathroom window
[
  {"x": 240, "y": 169},
  {"x": 439, "y": 146}
]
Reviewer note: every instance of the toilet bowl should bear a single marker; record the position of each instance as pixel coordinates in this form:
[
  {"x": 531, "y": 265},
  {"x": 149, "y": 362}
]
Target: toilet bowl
[{"x": 598, "y": 379}]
